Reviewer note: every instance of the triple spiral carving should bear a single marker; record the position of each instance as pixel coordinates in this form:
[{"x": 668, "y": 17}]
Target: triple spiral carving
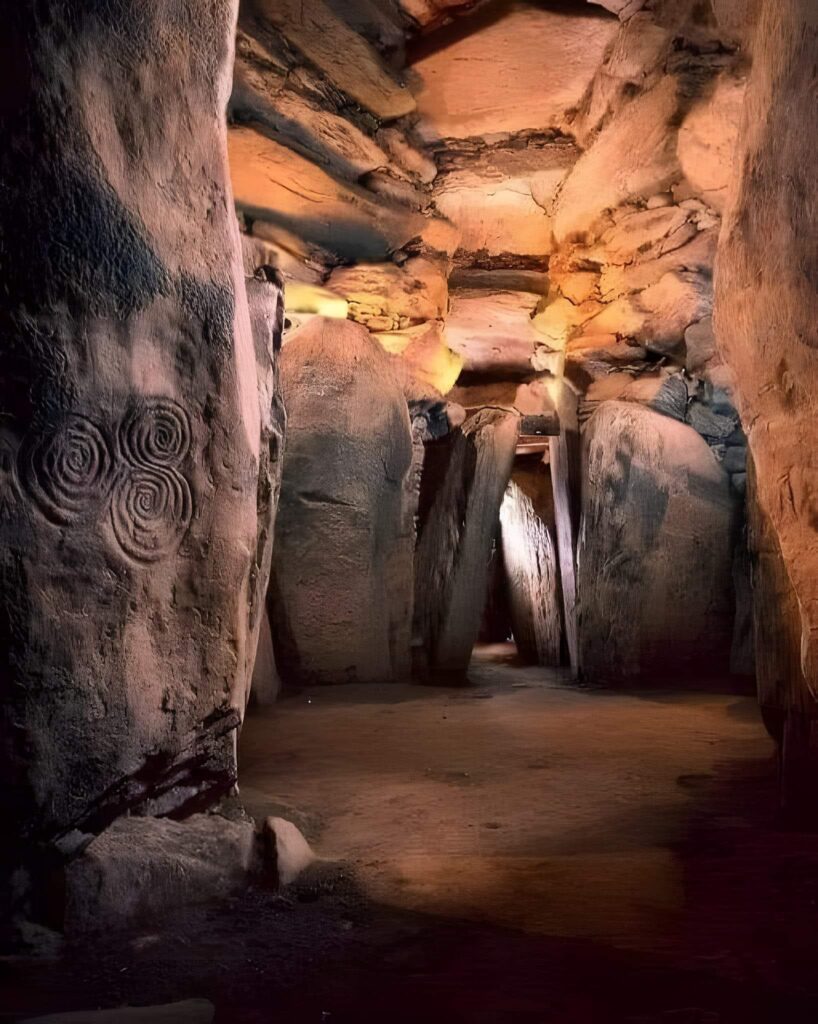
[
  {"x": 68, "y": 470},
  {"x": 71, "y": 473}
]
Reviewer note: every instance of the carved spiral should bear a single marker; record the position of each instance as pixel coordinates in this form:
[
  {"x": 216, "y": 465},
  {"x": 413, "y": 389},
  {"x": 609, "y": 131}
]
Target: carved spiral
[
  {"x": 67, "y": 470},
  {"x": 156, "y": 433},
  {"x": 151, "y": 512}
]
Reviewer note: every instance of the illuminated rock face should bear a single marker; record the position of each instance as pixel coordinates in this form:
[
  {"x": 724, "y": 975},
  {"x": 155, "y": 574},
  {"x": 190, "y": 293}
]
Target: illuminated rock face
[
  {"x": 530, "y": 563},
  {"x": 340, "y": 592},
  {"x": 766, "y": 316},
  {"x": 137, "y": 476}
]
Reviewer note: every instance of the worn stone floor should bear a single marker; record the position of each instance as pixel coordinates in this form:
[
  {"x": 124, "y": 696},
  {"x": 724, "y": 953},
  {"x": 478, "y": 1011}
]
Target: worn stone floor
[{"x": 522, "y": 850}]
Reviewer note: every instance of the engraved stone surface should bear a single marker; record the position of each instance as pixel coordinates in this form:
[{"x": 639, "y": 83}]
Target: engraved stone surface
[{"x": 138, "y": 473}]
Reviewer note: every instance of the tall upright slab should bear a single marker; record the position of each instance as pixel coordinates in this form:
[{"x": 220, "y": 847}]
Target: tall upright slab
[
  {"x": 132, "y": 525},
  {"x": 464, "y": 481},
  {"x": 767, "y": 328},
  {"x": 340, "y": 594}
]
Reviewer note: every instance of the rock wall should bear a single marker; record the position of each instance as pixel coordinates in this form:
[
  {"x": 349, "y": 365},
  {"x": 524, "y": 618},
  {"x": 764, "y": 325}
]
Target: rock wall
[
  {"x": 339, "y": 599},
  {"x": 137, "y": 475},
  {"x": 766, "y": 316}
]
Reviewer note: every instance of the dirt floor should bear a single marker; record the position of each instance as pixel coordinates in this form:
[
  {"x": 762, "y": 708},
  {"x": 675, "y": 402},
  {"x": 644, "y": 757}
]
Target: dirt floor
[{"x": 522, "y": 850}]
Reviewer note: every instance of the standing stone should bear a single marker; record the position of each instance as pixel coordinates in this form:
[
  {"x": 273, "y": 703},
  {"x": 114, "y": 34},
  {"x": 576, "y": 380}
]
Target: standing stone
[
  {"x": 265, "y": 297},
  {"x": 464, "y": 481},
  {"x": 132, "y": 546},
  {"x": 655, "y": 550},
  {"x": 766, "y": 319},
  {"x": 530, "y": 558},
  {"x": 339, "y": 592}
]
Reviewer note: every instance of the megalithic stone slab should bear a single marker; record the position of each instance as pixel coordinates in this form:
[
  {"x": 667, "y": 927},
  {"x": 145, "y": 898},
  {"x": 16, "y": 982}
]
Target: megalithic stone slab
[
  {"x": 655, "y": 549},
  {"x": 531, "y": 568},
  {"x": 338, "y": 609},
  {"x": 465, "y": 478},
  {"x": 131, "y": 548}
]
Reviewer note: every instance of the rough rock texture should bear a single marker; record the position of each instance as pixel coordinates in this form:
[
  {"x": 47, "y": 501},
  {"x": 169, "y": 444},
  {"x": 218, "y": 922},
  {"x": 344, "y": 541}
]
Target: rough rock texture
[
  {"x": 780, "y": 680},
  {"x": 348, "y": 61},
  {"x": 385, "y": 297},
  {"x": 142, "y": 868},
  {"x": 464, "y": 480},
  {"x": 337, "y": 599},
  {"x": 767, "y": 304},
  {"x": 132, "y": 539},
  {"x": 425, "y": 354},
  {"x": 501, "y": 194},
  {"x": 531, "y": 570},
  {"x": 492, "y": 77},
  {"x": 707, "y": 141},
  {"x": 275, "y": 184},
  {"x": 266, "y": 304},
  {"x": 655, "y": 552},
  {"x": 494, "y": 332}
]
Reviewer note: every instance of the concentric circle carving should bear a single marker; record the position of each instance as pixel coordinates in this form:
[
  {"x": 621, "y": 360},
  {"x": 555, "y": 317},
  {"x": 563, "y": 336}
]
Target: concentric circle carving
[
  {"x": 67, "y": 469},
  {"x": 156, "y": 433},
  {"x": 151, "y": 511}
]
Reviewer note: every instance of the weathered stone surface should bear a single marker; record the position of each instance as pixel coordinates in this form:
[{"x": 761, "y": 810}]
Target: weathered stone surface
[
  {"x": 594, "y": 357},
  {"x": 700, "y": 345},
  {"x": 499, "y": 280},
  {"x": 409, "y": 157},
  {"x": 501, "y": 196},
  {"x": 388, "y": 297},
  {"x": 578, "y": 286},
  {"x": 532, "y": 399},
  {"x": 339, "y": 530},
  {"x": 672, "y": 398},
  {"x": 131, "y": 542},
  {"x": 640, "y": 144},
  {"x": 424, "y": 351},
  {"x": 265, "y": 301},
  {"x": 646, "y": 234},
  {"x": 659, "y": 316},
  {"x": 707, "y": 141},
  {"x": 379, "y": 21},
  {"x": 767, "y": 303},
  {"x": 143, "y": 868},
  {"x": 624, "y": 8},
  {"x": 499, "y": 78},
  {"x": 494, "y": 331},
  {"x": 655, "y": 554},
  {"x": 190, "y": 1011},
  {"x": 780, "y": 681},
  {"x": 278, "y": 185},
  {"x": 288, "y": 852},
  {"x": 345, "y": 57},
  {"x": 558, "y": 318},
  {"x": 633, "y": 63},
  {"x": 268, "y": 96},
  {"x": 465, "y": 477},
  {"x": 530, "y": 560},
  {"x": 697, "y": 256}
]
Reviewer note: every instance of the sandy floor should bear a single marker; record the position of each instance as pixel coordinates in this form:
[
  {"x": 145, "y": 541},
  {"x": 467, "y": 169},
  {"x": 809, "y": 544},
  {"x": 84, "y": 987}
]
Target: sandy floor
[
  {"x": 520, "y": 852},
  {"x": 524, "y": 802}
]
